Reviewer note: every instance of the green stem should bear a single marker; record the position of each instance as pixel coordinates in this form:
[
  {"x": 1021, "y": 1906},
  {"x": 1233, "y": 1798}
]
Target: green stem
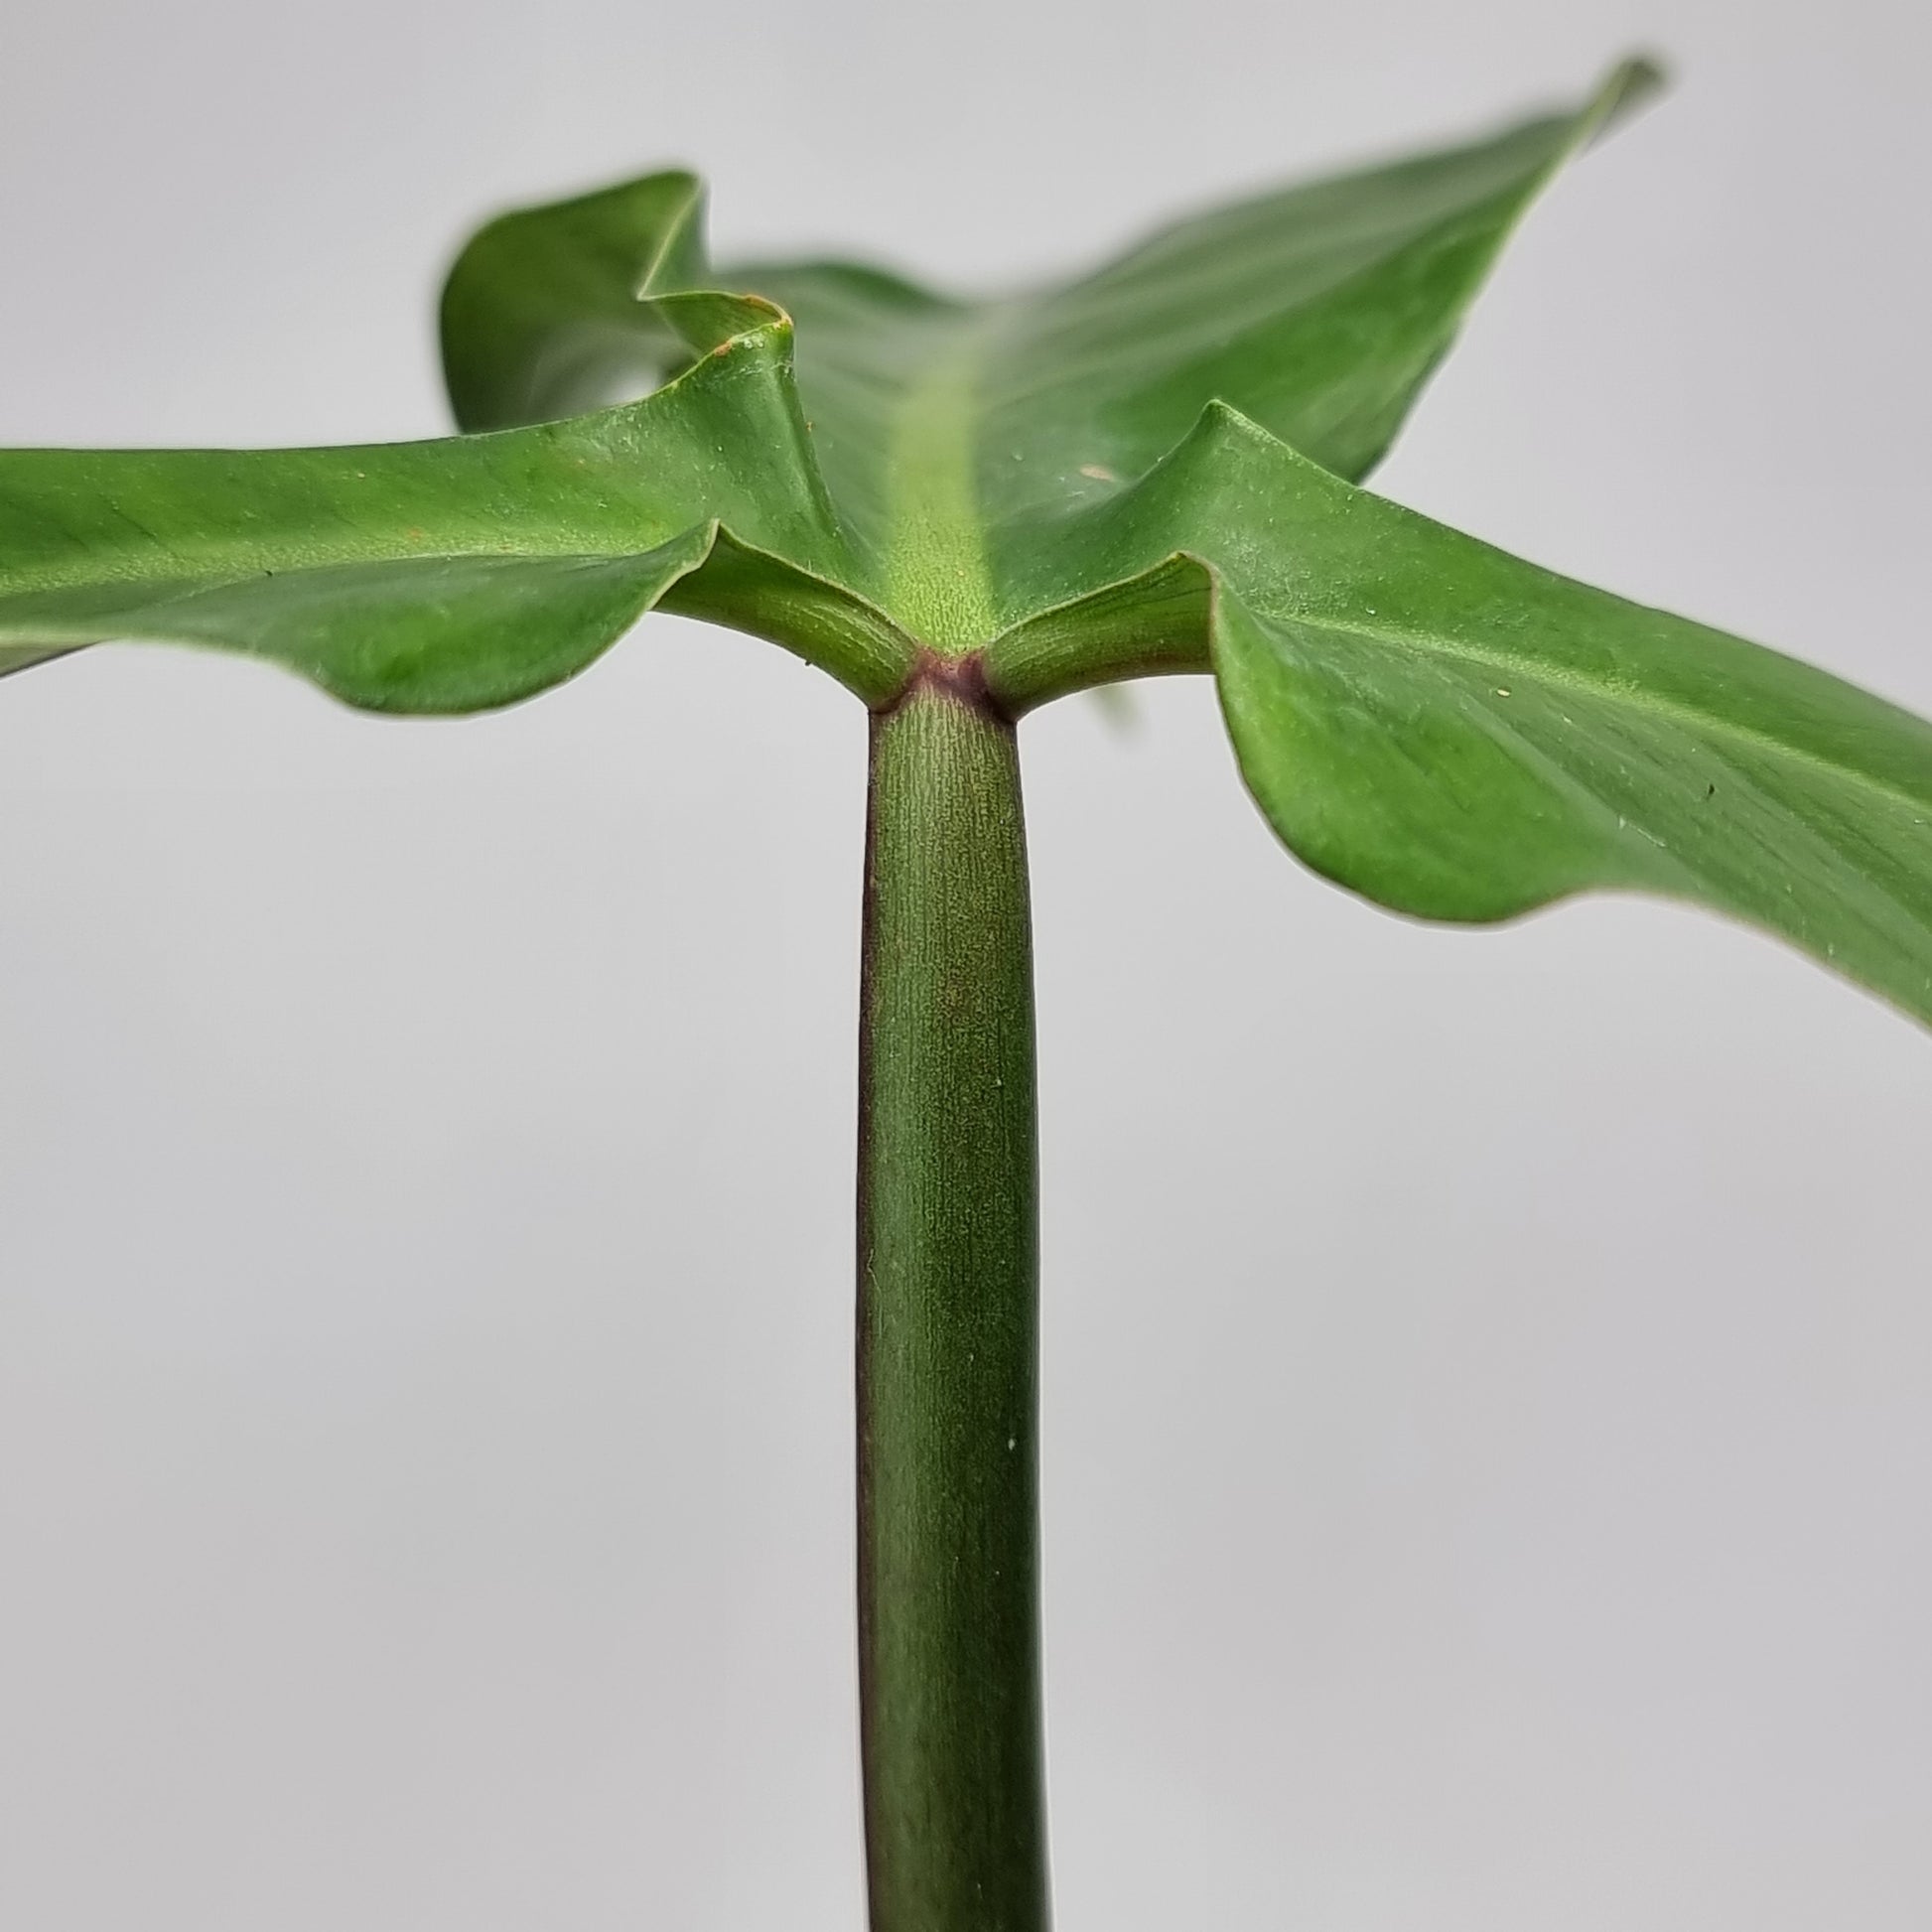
[{"x": 948, "y": 1331}]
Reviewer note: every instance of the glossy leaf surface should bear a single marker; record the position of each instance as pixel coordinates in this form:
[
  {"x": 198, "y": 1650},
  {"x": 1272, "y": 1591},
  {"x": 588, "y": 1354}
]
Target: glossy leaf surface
[
  {"x": 1147, "y": 468},
  {"x": 450, "y": 575},
  {"x": 1459, "y": 735},
  {"x": 949, "y": 431},
  {"x": 854, "y": 505}
]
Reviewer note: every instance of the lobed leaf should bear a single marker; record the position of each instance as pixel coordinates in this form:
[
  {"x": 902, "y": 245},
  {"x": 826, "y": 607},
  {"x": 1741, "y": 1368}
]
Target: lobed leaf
[
  {"x": 872, "y": 499},
  {"x": 1147, "y": 468},
  {"x": 1459, "y": 735},
  {"x": 550, "y": 311},
  {"x": 947, "y": 431},
  {"x": 456, "y": 574},
  {"x": 1317, "y": 311}
]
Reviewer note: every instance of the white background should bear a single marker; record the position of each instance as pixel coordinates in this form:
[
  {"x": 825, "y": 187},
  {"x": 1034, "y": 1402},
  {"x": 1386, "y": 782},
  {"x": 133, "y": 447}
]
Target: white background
[{"x": 1489, "y": 1381}]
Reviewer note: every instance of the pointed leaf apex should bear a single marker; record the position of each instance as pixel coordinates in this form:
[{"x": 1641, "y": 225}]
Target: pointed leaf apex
[{"x": 1626, "y": 91}]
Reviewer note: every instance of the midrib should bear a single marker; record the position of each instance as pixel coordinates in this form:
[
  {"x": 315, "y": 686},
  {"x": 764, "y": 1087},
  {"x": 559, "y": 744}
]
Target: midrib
[{"x": 937, "y": 583}]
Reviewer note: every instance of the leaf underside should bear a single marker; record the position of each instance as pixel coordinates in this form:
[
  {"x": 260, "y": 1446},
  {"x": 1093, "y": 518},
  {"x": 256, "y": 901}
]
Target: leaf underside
[
  {"x": 1152, "y": 467},
  {"x": 886, "y": 487}
]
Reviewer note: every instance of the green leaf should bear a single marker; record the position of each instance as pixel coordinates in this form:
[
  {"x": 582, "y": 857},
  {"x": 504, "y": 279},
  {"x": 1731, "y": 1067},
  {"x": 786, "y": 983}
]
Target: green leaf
[
  {"x": 1459, "y": 735},
  {"x": 1149, "y": 469},
  {"x": 547, "y": 310},
  {"x": 948, "y": 430},
  {"x": 450, "y": 575},
  {"x": 893, "y": 490},
  {"x": 1462, "y": 735},
  {"x": 1318, "y": 312}
]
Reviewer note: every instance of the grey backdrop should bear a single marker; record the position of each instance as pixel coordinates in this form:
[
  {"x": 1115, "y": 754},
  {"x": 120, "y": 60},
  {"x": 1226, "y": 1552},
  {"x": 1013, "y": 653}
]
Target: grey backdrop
[{"x": 1488, "y": 1380}]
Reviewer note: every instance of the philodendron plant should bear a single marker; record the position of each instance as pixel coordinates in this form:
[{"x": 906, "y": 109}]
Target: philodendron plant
[{"x": 962, "y": 510}]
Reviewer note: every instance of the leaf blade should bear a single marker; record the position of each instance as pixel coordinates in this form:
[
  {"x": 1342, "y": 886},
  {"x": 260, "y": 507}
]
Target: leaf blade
[
  {"x": 543, "y": 312},
  {"x": 424, "y": 635},
  {"x": 400, "y": 576},
  {"x": 946, "y": 430},
  {"x": 1459, "y": 735},
  {"x": 1319, "y": 310}
]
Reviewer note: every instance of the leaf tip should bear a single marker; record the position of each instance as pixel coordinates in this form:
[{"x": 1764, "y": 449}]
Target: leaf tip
[{"x": 1632, "y": 85}]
